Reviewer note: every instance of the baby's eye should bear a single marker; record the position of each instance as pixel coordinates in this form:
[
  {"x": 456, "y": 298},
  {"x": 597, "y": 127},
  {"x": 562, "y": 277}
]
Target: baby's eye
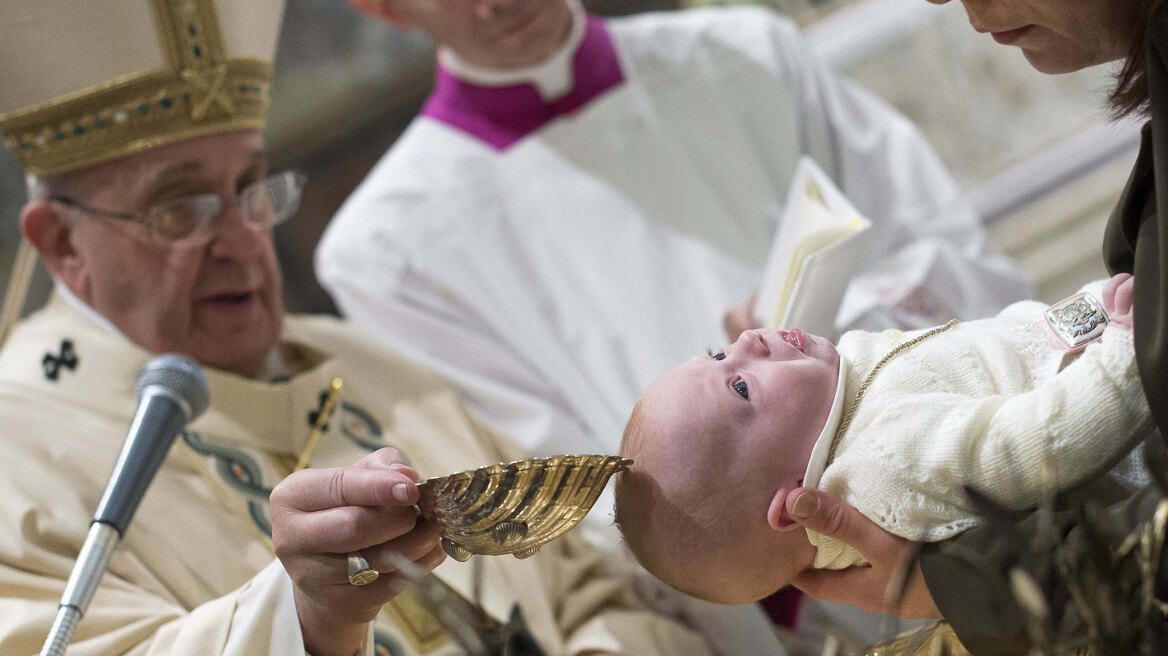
[
  {"x": 719, "y": 356},
  {"x": 740, "y": 387}
]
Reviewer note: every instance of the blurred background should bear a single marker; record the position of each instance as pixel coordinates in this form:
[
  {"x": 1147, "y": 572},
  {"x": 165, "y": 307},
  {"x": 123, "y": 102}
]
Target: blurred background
[{"x": 1034, "y": 153}]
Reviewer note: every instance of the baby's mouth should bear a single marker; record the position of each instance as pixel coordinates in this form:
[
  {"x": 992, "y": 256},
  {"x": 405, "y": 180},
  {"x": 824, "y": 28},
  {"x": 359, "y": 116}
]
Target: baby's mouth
[{"x": 796, "y": 338}]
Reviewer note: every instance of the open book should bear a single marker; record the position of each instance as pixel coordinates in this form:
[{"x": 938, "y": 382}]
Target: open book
[{"x": 820, "y": 243}]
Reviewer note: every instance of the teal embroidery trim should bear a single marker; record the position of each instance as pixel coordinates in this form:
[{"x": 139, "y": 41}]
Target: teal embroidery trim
[
  {"x": 358, "y": 425},
  {"x": 241, "y": 473},
  {"x": 384, "y": 645}
]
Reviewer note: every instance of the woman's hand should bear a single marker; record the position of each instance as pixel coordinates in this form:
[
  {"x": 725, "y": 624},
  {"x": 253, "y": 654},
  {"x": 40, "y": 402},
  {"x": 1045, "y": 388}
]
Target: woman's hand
[
  {"x": 891, "y": 582},
  {"x": 321, "y": 515}
]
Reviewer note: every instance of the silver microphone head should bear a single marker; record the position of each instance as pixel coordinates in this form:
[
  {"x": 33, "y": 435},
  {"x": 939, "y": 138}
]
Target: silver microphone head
[{"x": 179, "y": 378}]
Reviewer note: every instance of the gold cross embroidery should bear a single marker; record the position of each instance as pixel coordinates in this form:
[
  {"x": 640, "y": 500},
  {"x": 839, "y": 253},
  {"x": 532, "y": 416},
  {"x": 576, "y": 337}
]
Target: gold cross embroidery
[{"x": 207, "y": 88}]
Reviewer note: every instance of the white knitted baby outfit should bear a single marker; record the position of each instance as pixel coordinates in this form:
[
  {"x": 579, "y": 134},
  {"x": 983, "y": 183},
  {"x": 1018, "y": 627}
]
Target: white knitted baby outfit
[{"x": 983, "y": 404}]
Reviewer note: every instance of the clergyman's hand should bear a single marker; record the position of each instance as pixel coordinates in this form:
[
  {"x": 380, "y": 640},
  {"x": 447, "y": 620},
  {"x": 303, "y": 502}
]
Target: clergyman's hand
[
  {"x": 321, "y": 515},
  {"x": 739, "y": 318},
  {"x": 888, "y": 555}
]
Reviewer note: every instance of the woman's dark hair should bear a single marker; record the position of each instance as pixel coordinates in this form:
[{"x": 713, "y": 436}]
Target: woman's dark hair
[{"x": 1130, "y": 94}]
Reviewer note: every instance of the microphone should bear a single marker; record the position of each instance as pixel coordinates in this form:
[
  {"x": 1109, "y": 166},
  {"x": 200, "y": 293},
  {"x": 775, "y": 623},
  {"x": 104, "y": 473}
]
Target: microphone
[{"x": 172, "y": 391}]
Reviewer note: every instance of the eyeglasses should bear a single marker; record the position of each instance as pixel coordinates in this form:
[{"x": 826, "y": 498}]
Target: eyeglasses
[{"x": 266, "y": 204}]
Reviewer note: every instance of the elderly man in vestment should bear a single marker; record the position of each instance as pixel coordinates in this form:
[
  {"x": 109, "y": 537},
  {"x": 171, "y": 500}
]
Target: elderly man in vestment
[{"x": 153, "y": 207}]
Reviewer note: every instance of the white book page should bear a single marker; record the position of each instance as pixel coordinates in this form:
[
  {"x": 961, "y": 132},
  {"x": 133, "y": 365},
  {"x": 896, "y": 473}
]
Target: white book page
[{"x": 820, "y": 243}]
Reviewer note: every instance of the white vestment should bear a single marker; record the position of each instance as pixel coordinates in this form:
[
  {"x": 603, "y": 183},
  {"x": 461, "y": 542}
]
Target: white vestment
[
  {"x": 195, "y": 573},
  {"x": 553, "y": 255},
  {"x": 983, "y": 405}
]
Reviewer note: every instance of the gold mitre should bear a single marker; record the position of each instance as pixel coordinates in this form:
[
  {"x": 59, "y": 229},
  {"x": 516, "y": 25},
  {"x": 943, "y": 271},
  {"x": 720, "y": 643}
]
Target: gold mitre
[{"x": 87, "y": 81}]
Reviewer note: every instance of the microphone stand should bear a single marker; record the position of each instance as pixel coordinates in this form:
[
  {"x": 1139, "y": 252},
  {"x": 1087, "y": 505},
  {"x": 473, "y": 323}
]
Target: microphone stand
[
  {"x": 171, "y": 391},
  {"x": 94, "y": 557}
]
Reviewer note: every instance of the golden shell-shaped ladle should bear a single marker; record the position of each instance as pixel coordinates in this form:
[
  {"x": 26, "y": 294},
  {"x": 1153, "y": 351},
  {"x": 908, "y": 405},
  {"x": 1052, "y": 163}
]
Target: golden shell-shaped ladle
[{"x": 517, "y": 507}]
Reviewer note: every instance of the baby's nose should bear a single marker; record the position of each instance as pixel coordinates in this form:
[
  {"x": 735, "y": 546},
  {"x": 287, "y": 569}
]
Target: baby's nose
[{"x": 751, "y": 342}]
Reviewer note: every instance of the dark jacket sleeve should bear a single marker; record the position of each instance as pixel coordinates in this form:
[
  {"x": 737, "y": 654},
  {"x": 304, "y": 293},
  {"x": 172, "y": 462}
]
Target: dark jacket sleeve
[{"x": 967, "y": 575}]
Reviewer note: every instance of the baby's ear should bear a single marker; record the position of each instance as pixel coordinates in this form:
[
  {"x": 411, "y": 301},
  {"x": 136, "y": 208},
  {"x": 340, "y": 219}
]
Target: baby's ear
[{"x": 777, "y": 515}]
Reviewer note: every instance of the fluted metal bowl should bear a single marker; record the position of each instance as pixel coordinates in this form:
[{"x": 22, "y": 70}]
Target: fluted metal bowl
[{"x": 517, "y": 507}]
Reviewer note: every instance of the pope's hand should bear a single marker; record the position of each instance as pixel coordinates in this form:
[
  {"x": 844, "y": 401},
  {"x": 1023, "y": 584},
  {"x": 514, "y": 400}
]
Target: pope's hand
[
  {"x": 888, "y": 556},
  {"x": 739, "y": 318},
  {"x": 321, "y": 515}
]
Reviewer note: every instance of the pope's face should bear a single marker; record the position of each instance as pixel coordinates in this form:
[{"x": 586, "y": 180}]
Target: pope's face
[
  {"x": 216, "y": 297},
  {"x": 491, "y": 33},
  {"x": 764, "y": 398},
  {"x": 1056, "y": 36}
]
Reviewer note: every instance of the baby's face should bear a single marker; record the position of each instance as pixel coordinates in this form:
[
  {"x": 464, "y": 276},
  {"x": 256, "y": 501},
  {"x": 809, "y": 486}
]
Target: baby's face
[{"x": 768, "y": 385}]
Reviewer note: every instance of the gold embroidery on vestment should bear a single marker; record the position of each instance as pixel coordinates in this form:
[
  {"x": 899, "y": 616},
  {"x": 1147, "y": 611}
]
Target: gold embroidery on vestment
[{"x": 199, "y": 91}]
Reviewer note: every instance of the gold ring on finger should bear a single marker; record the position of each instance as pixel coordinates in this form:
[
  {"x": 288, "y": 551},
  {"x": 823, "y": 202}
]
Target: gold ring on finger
[{"x": 360, "y": 571}]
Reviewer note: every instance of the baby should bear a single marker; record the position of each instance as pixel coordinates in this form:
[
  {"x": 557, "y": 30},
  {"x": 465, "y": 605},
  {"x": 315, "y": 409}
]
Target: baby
[{"x": 893, "y": 423}]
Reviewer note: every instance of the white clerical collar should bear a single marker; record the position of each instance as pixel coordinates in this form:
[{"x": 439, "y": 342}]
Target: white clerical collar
[
  {"x": 818, "y": 461},
  {"x": 83, "y": 308},
  {"x": 552, "y": 78},
  {"x": 274, "y": 366}
]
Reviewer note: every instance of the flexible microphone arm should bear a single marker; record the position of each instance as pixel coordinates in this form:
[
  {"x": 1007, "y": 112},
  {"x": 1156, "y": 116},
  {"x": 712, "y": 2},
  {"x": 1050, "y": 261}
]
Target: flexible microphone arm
[{"x": 171, "y": 392}]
